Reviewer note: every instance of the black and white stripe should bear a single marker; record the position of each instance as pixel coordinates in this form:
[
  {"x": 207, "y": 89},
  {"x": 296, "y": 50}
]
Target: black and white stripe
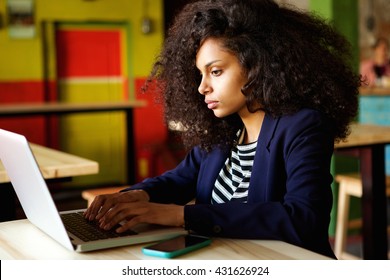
[{"x": 233, "y": 180}]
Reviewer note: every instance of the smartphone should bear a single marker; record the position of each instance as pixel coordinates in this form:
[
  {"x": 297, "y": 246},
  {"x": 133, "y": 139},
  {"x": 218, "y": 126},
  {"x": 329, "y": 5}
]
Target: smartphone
[{"x": 176, "y": 246}]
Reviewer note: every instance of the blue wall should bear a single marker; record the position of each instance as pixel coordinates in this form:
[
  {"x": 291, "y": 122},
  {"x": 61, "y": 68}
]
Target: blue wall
[{"x": 376, "y": 110}]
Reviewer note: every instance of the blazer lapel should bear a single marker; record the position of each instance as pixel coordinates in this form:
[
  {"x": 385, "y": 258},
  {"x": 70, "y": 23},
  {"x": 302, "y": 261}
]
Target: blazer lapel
[
  {"x": 258, "y": 183},
  {"x": 210, "y": 171}
]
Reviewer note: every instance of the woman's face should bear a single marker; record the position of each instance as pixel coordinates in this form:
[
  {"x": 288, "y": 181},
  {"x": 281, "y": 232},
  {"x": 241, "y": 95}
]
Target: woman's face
[{"x": 222, "y": 79}]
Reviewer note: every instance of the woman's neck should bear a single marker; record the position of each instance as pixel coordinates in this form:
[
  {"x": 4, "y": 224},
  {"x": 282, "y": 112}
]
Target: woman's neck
[{"x": 253, "y": 123}]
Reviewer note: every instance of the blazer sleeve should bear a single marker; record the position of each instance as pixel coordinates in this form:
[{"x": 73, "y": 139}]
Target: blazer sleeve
[{"x": 177, "y": 185}]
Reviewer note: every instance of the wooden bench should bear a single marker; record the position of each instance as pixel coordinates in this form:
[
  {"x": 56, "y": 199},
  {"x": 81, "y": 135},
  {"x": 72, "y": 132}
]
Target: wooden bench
[{"x": 349, "y": 185}]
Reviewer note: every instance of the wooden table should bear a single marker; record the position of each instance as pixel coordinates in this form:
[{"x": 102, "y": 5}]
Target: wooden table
[
  {"x": 53, "y": 165},
  {"x": 367, "y": 142},
  {"x": 57, "y": 164},
  {"x": 22, "y": 240},
  {"x": 60, "y": 108},
  {"x": 378, "y": 91}
]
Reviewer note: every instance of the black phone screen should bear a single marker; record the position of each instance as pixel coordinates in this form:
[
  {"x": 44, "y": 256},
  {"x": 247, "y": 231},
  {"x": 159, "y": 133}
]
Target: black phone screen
[{"x": 178, "y": 243}]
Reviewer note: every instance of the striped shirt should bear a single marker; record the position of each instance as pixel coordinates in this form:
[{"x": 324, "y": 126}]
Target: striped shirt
[{"x": 233, "y": 179}]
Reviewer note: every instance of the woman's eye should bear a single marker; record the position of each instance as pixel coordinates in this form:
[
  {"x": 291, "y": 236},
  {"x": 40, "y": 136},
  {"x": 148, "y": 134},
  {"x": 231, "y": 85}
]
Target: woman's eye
[{"x": 216, "y": 72}]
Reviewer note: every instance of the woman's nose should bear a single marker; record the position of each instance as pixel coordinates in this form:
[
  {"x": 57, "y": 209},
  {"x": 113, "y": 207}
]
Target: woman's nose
[{"x": 203, "y": 88}]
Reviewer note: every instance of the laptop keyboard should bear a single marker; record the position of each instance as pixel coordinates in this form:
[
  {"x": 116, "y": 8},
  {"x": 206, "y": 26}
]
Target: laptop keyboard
[{"x": 87, "y": 230}]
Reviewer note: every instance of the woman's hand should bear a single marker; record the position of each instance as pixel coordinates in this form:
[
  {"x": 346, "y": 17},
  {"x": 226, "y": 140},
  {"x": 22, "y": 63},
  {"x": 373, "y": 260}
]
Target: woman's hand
[
  {"x": 103, "y": 203},
  {"x": 131, "y": 208},
  {"x": 133, "y": 213}
]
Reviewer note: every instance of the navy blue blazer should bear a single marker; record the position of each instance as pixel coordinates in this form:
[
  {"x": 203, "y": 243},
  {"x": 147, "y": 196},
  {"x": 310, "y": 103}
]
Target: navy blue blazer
[{"x": 289, "y": 195}]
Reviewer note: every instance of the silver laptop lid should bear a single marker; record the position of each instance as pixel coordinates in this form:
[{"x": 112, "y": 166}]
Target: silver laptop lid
[{"x": 30, "y": 187}]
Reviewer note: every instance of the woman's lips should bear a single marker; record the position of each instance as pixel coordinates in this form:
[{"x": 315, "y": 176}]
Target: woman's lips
[{"x": 211, "y": 104}]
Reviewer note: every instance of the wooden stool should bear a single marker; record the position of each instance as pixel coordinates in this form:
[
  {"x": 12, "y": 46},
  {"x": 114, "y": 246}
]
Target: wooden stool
[
  {"x": 89, "y": 195},
  {"x": 349, "y": 185}
]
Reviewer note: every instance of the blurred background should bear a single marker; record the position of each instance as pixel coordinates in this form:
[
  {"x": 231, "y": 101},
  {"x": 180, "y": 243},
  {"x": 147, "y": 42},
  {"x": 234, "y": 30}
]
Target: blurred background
[{"x": 77, "y": 51}]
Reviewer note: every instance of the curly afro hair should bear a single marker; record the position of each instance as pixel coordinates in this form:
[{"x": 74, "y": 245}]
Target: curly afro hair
[{"x": 292, "y": 59}]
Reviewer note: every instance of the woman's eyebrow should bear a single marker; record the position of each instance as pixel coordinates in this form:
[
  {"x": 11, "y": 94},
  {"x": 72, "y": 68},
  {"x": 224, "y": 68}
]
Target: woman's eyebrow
[{"x": 211, "y": 63}]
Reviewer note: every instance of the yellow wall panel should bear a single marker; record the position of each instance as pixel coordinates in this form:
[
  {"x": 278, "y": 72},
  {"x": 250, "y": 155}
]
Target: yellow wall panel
[
  {"x": 94, "y": 91},
  {"x": 20, "y": 59}
]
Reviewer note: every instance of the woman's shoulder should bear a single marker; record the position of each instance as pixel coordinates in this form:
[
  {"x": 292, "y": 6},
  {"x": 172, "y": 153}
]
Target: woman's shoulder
[
  {"x": 304, "y": 115},
  {"x": 304, "y": 120}
]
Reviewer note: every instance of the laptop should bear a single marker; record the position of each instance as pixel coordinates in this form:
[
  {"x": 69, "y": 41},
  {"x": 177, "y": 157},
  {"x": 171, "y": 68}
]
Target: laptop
[{"x": 40, "y": 209}]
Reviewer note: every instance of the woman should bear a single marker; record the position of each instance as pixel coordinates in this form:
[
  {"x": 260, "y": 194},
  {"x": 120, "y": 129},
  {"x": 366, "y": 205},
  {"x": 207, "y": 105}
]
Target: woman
[
  {"x": 376, "y": 69},
  {"x": 262, "y": 93}
]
